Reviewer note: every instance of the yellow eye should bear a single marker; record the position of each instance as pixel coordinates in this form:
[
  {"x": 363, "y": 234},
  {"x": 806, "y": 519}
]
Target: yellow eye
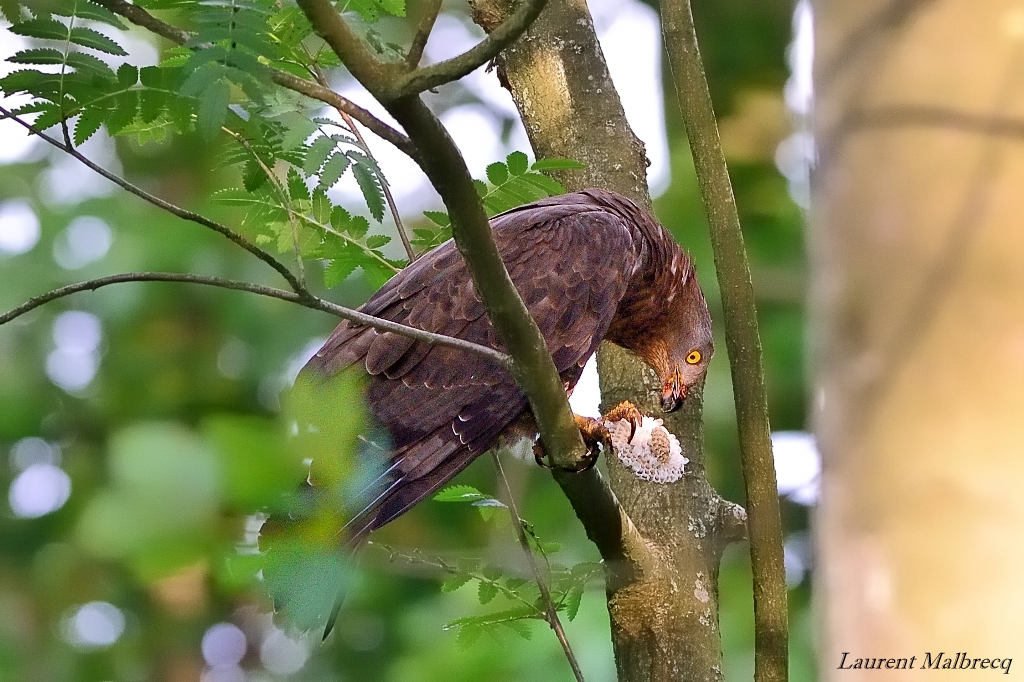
[{"x": 694, "y": 357}]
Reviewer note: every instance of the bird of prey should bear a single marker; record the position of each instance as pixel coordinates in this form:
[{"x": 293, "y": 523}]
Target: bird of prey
[{"x": 590, "y": 266}]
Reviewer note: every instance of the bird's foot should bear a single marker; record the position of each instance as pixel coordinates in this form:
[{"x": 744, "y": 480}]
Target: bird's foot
[
  {"x": 627, "y": 411},
  {"x": 593, "y": 432}
]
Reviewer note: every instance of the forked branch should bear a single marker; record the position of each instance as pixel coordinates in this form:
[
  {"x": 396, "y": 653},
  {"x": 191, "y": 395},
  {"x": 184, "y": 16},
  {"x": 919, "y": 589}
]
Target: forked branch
[{"x": 487, "y": 49}]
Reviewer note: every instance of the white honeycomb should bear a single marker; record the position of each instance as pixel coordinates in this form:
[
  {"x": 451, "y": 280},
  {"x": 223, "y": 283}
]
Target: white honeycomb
[{"x": 654, "y": 455}]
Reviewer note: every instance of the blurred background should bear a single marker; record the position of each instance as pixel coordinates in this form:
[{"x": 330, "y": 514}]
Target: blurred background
[{"x": 124, "y": 536}]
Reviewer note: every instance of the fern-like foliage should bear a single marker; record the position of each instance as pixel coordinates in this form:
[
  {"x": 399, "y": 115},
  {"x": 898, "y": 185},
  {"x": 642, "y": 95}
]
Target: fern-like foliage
[
  {"x": 515, "y": 599},
  {"x": 217, "y": 85},
  {"x": 510, "y": 184}
]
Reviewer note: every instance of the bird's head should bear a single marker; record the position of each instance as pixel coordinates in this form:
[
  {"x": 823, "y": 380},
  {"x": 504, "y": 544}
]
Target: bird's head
[{"x": 682, "y": 349}]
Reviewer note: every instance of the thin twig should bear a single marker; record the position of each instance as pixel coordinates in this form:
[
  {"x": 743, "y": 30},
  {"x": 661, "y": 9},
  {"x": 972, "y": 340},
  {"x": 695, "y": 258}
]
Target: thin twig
[
  {"x": 361, "y": 142},
  {"x": 235, "y": 237},
  {"x": 308, "y": 301},
  {"x": 430, "y": 10},
  {"x": 550, "y": 611},
  {"x": 282, "y": 194},
  {"x": 141, "y": 17},
  {"x": 771, "y": 617},
  {"x": 402, "y": 233},
  {"x": 487, "y": 49}
]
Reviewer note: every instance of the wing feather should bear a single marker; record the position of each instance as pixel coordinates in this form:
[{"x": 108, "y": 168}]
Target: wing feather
[{"x": 570, "y": 261}]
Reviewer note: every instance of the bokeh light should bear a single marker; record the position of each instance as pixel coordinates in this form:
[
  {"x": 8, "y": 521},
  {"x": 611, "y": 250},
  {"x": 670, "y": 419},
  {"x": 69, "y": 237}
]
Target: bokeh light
[
  {"x": 39, "y": 490},
  {"x": 73, "y": 363},
  {"x": 85, "y": 240},
  {"x": 224, "y": 645},
  {"x": 95, "y": 625},
  {"x": 19, "y": 228},
  {"x": 797, "y": 466},
  {"x": 282, "y": 655}
]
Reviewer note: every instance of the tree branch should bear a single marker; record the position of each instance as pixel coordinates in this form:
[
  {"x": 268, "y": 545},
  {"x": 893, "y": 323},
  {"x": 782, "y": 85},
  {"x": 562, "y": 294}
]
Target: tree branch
[
  {"x": 742, "y": 342},
  {"x": 550, "y": 611},
  {"x": 487, "y": 49},
  {"x": 182, "y": 213},
  {"x": 376, "y": 76},
  {"x": 141, "y": 17},
  {"x": 308, "y": 301},
  {"x": 533, "y": 367},
  {"x": 430, "y": 10}
]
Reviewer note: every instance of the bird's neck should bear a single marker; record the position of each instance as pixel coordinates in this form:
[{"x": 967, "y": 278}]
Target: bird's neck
[{"x": 655, "y": 283}]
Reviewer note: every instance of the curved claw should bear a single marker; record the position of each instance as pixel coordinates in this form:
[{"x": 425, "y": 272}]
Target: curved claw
[
  {"x": 587, "y": 465},
  {"x": 626, "y": 411}
]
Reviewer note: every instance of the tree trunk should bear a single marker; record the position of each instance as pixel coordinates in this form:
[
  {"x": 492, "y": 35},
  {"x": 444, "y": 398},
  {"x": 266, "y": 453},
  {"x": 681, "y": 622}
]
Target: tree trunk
[
  {"x": 919, "y": 308},
  {"x": 664, "y": 618}
]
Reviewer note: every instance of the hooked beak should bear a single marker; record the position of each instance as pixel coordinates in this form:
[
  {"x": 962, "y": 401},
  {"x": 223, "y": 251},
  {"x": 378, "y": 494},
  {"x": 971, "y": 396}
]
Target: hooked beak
[{"x": 673, "y": 392}]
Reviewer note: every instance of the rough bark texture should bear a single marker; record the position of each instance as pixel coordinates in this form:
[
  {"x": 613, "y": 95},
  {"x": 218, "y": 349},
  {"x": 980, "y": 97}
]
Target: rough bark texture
[
  {"x": 664, "y": 615},
  {"x": 919, "y": 313}
]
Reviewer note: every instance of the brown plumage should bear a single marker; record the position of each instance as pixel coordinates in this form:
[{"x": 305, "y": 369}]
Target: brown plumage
[{"x": 590, "y": 266}]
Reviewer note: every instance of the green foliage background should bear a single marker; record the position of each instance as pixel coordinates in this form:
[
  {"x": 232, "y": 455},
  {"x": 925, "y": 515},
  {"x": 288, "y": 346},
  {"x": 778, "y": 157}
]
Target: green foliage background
[{"x": 168, "y": 454}]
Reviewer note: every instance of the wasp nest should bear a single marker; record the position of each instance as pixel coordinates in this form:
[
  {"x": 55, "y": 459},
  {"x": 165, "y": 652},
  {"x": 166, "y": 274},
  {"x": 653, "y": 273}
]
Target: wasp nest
[{"x": 654, "y": 455}]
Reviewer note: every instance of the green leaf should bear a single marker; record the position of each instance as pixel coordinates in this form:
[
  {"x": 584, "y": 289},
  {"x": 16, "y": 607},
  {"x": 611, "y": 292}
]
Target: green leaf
[
  {"x": 488, "y": 507},
  {"x": 572, "y": 601},
  {"x": 468, "y": 636},
  {"x": 320, "y": 206},
  {"x": 586, "y": 569},
  {"x": 88, "y": 123},
  {"x": 372, "y": 10},
  {"x": 520, "y": 627},
  {"x": 339, "y": 270},
  {"x": 11, "y": 10},
  {"x": 304, "y": 582},
  {"x": 358, "y": 226},
  {"x": 46, "y": 55},
  {"x": 518, "y": 163},
  {"x": 458, "y": 493},
  {"x": 87, "y": 10},
  {"x": 86, "y": 37},
  {"x": 377, "y": 241},
  {"x": 499, "y": 202},
  {"x": 175, "y": 57},
  {"x": 152, "y": 103},
  {"x": 333, "y": 170},
  {"x": 544, "y": 183},
  {"x": 486, "y": 592},
  {"x": 556, "y": 165},
  {"x": 127, "y": 76},
  {"x": 297, "y": 186},
  {"x": 368, "y": 183},
  {"x": 515, "y": 613},
  {"x": 124, "y": 113},
  {"x": 497, "y": 173},
  {"x": 213, "y": 108},
  {"x": 515, "y": 583},
  {"x": 317, "y": 154},
  {"x": 340, "y": 219},
  {"x": 439, "y": 218},
  {"x": 455, "y": 582},
  {"x": 46, "y": 29},
  {"x": 256, "y": 466}
]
